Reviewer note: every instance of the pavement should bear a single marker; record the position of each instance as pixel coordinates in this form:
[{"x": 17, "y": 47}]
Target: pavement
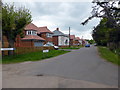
[{"x": 82, "y": 68}]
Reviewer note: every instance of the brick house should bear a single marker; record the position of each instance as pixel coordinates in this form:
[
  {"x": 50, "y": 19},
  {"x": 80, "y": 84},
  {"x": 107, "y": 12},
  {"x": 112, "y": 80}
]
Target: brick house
[
  {"x": 59, "y": 38},
  {"x": 30, "y": 39},
  {"x": 77, "y": 41},
  {"x": 45, "y": 33},
  {"x": 72, "y": 40}
]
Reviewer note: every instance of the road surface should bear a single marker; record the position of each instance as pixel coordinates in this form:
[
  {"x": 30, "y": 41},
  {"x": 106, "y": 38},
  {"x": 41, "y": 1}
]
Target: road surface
[{"x": 82, "y": 68}]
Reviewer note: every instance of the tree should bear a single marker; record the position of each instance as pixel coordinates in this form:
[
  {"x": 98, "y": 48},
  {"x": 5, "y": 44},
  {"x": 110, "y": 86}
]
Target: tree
[
  {"x": 0, "y": 22},
  {"x": 101, "y": 33},
  {"x": 107, "y": 10},
  {"x": 13, "y": 22},
  {"x": 91, "y": 41}
]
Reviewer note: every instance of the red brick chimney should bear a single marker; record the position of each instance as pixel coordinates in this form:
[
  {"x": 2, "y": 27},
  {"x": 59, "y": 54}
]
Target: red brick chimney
[{"x": 57, "y": 29}]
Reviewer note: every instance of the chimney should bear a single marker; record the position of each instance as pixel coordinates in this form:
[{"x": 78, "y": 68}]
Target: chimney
[{"x": 57, "y": 29}]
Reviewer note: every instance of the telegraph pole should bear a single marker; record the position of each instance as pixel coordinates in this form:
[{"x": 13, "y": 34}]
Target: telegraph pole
[{"x": 69, "y": 37}]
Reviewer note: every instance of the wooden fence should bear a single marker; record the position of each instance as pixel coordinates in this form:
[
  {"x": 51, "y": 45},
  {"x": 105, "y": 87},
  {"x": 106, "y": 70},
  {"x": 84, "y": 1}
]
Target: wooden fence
[{"x": 22, "y": 50}]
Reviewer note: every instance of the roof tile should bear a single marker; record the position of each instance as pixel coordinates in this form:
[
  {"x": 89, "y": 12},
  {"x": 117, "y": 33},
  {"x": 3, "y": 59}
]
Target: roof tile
[
  {"x": 44, "y": 30},
  {"x": 31, "y": 26},
  {"x": 32, "y": 37}
]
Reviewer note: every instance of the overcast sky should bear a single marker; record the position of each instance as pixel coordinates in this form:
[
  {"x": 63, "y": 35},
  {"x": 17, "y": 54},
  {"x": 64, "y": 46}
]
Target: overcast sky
[{"x": 62, "y": 15}]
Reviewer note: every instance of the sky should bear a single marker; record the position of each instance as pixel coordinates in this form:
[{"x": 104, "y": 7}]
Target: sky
[{"x": 61, "y": 15}]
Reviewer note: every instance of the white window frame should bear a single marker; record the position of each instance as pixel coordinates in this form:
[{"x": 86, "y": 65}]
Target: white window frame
[{"x": 31, "y": 32}]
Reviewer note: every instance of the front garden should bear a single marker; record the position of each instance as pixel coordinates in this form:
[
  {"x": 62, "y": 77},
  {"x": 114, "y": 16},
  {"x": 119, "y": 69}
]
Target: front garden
[{"x": 32, "y": 56}]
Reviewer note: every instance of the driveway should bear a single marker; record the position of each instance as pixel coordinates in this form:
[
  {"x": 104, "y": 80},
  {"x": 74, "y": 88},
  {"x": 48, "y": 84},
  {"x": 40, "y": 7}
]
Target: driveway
[{"x": 82, "y": 68}]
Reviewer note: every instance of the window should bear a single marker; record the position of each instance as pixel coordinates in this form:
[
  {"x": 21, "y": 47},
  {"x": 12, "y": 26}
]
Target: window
[
  {"x": 31, "y": 32},
  {"x": 48, "y": 35}
]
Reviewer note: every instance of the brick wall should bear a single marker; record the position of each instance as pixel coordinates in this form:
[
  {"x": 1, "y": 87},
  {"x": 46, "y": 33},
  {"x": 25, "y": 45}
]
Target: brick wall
[
  {"x": 47, "y": 39},
  {"x": 71, "y": 41},
  {"x": 76, "y": 42},
  {"x": 55, "y": 40}
]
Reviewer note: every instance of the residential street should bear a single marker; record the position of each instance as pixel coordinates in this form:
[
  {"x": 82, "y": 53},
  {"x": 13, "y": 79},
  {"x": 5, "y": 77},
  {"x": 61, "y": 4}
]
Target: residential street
[{"x": 81, "y": 68}]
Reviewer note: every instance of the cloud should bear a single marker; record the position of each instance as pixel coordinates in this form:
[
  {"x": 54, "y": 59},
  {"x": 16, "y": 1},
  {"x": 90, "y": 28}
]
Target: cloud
[
  {"x": 62, "y": 15},
  {"x": 48, "y": 0}
]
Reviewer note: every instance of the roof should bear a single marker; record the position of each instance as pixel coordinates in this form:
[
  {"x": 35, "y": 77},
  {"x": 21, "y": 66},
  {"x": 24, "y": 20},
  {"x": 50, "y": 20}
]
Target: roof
[
  {"x": 58, "y": 33},
  {"x": 43, "y": 30},
  {"x": 32, "y": 37},
  {"x": 72, "y": 36},
  {"x": 77, "y": 38},
  {"x": 31, "y": 26}
]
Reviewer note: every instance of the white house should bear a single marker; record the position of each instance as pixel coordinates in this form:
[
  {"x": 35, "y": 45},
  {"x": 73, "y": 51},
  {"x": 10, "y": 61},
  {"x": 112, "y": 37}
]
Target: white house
[{"x": 59, "y": 38}]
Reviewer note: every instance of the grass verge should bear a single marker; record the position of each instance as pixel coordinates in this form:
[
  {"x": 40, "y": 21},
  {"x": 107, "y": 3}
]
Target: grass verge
[
  {"x": 72, "y": 47},
  {"x": 33, "y": 56},
  {"x": 108, "y": 55}
]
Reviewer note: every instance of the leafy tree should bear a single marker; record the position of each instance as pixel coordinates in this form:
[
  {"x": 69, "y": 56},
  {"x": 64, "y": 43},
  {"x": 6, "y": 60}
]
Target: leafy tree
[
  {"x": 91, "y": 41},
  {"x": 0, "y": 22},
  {"x": 0, "y": 10},
  {"x": 101, "y": 33},
  {"x": 111, "y": 30},
  {"x": 13, "y": 22}
]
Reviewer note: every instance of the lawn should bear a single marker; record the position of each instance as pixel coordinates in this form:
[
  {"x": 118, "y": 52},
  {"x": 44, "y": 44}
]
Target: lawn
[
  {"x": 72, "y": 47},
  {"x": 108, "y": 55},
  {"x": 33, "y": 56}
]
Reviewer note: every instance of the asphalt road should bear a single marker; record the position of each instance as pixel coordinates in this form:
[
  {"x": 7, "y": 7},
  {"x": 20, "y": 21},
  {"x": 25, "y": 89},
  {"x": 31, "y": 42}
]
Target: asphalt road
[{"x": 84, "y": 64}]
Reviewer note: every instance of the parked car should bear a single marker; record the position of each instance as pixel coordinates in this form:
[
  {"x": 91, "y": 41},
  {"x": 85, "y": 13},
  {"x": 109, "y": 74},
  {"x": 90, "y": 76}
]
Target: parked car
[
  {"x": 49, "y": 44},
  {"x": 87, "y": 45}
]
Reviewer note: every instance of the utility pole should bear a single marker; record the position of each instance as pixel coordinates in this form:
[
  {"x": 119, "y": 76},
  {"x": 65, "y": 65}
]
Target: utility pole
[{"x": 69, "y": 37}]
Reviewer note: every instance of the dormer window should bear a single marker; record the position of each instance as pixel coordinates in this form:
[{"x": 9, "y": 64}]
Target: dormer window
[{"x": 31, "y": 32}]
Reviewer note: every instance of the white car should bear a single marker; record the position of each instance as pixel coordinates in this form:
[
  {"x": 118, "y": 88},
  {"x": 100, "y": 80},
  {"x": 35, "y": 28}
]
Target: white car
[{"x": 49, "y": 44}]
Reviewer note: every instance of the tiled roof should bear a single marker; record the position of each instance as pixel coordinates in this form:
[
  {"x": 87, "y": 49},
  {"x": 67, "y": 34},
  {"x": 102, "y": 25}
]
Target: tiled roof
[
  {"x": 58, "y": 33},
  {"x": 77, "y": 38},
  {"x": 31, "y": 26},
  {"x": 72, "y": 36},
  {"x": 43, "y": 30},
  {"x": 32, "y": 37}
]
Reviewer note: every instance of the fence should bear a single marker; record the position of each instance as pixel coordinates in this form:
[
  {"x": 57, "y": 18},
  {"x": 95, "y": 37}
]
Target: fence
[{"x": 22, "y": 50}]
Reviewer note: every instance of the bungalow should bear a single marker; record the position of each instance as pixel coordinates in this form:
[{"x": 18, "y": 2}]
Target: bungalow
[
  {"x": 30, "y": 39},
  {"x": 45, "y": 33},
  {"x": 59, "y": 38}
]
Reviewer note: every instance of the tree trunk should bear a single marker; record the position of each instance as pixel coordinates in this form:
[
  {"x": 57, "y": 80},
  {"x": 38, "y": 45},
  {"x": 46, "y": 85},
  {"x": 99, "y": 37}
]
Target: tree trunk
[
  {"x": 2, "y": 46},
  {"x": 11, "y": 45}
]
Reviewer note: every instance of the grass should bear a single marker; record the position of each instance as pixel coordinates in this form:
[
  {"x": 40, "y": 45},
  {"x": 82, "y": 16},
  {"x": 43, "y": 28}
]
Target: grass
[
  {"x": 72, "y": 47},
  {"x": 108, "y": 55},
  {"x": 33, "y": 56}
]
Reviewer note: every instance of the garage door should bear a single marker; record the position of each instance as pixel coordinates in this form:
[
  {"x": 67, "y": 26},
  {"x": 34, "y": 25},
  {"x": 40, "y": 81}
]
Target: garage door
[{"x": 38, "y": 43}]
